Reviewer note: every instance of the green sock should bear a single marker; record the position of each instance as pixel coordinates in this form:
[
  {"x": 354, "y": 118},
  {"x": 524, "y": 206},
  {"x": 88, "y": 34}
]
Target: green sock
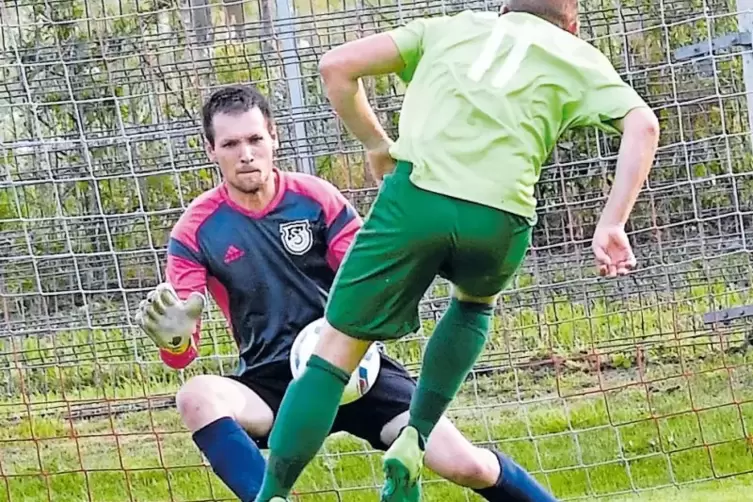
[
  {"x": 452, "y": 350},
  {"x": 303, "y": 422}
]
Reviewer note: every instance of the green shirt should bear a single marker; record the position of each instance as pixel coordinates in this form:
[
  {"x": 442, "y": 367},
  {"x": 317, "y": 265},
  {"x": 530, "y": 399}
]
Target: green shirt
[{"x": 488, "y": 97}]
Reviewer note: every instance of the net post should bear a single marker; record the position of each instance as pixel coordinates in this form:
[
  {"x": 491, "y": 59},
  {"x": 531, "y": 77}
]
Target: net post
[
  {"x": 745, "y": 25},
  {"x": 285, "y": 27}
]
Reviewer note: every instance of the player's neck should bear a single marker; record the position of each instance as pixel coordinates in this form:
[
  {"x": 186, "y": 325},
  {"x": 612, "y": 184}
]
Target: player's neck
[{"x": 259, "y": 200}]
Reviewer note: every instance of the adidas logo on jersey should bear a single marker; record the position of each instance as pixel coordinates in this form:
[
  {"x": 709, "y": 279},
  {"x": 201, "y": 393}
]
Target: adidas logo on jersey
[{"x": 232, "y": 254}]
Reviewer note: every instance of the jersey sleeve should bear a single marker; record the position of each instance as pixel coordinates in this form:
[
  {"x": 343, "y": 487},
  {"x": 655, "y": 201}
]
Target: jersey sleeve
[
  {"x": 343, "y": 222},
  {"x": 606, "y": 97},
  {"x": 341, "y": 219},
  {"x": 410, "y": 40},
  {"x": 340, "y": 234},
  {"x": 186, "y": 273}
]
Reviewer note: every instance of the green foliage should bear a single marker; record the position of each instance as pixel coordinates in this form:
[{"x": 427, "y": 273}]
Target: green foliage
[
  {"x": 232, "y": 66},
  {"x": 133, "y": 70},
  {"x": 128, "y": 78}
]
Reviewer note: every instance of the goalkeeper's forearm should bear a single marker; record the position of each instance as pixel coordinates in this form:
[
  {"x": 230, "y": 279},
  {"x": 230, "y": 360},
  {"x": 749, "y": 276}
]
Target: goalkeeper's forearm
[{"x": 640, "y": 140}]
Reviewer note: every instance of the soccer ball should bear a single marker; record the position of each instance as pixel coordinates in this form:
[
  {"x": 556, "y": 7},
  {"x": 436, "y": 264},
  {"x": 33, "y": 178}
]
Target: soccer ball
[{"x": 361, "y": 380}]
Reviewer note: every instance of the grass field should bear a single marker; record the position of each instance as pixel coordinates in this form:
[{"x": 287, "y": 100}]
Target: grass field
[
  {"x": 598, "y": 444},
  {"x": 646, "y": 404}
]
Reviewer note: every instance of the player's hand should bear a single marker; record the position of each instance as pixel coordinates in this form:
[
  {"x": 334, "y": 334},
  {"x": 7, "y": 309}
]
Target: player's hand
[
  {"x": 612, "y": 250},
  {"x": 169, "y": 321},
  {"x": 380, "y": 161}
]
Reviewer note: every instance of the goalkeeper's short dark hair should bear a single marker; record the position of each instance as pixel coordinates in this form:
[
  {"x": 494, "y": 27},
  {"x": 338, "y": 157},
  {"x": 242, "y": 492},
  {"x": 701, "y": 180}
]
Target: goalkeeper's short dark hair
[{"x": 234, "y": 99}]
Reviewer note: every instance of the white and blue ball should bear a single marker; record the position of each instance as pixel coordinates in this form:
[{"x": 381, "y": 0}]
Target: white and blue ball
[{"x": 362, "y": 379}]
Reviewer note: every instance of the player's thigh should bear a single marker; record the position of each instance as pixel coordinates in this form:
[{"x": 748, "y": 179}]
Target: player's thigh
[
  {"x": 449, "y": 454},
  {"x": 491, "y": 246},
  {"x": 371, "y": 417},
  {"x": 206, "y": 398},
  {"x": 393, "y": 259}
]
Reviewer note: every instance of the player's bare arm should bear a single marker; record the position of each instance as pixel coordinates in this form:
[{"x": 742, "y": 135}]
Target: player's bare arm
[
  {"x": 640, "y": 129},
  {"x": 342, "y": 69},
  {"x": 640, "y": 140}
]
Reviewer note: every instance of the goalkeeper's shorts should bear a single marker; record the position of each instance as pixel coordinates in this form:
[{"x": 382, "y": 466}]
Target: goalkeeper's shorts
[
  {"x": 409, "y": 237},
  {"x": 364, "y": 418}
]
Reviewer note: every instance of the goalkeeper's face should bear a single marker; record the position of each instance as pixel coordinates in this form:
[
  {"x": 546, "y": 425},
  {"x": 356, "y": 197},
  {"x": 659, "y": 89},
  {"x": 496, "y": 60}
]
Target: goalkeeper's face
[{"x": 244, "y": 145}]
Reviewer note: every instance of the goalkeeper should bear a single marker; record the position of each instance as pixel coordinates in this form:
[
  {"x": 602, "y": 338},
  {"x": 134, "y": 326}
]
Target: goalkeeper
[
  {"x": 489, "y": 96},
  {"x": 266, "y": 244}
]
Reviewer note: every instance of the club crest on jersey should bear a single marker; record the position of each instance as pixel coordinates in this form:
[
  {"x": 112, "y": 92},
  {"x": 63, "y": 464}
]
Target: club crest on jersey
[{"x": 296, "y": 236}]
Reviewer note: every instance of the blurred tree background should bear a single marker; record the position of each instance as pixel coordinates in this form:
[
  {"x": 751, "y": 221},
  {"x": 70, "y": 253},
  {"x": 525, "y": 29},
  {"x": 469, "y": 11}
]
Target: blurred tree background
[
  {"x": 101, "y": 148},
  {"x": 101, "y": 142}
]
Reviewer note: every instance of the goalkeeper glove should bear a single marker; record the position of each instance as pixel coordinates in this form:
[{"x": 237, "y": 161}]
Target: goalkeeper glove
[{"x": 169, "y": 321}]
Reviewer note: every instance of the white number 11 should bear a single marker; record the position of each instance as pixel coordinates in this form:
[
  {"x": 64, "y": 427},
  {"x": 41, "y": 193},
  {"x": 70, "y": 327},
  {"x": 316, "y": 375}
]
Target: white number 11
[{"x": 484, "y": 61}]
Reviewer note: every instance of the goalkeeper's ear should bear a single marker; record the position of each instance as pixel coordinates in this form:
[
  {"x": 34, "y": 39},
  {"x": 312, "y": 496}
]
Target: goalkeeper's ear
[{"x": 194, "y": 305}]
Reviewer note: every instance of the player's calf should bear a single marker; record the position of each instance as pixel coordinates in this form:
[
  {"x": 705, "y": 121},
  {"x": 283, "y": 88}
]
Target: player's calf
[
  {"x": 457, "y": 341},
  {"x": 214, "y": 408},
  {"x": 308, "y": 410},
  {"x": 454, "y": 346}
]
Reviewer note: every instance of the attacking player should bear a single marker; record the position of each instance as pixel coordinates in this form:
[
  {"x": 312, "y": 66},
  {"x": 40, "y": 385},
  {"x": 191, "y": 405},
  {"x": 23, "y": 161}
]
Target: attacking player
[
  {"x": 266, "y": 244},
  {"x": 488, "y": 97}
]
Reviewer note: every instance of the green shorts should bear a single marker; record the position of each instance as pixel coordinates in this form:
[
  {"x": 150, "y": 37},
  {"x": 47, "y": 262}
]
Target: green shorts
[{"x": 409, "y": 237}]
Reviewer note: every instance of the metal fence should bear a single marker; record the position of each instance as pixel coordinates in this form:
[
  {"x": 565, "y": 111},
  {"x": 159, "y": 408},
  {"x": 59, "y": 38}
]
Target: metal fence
[{"x": 600, "y": 388}]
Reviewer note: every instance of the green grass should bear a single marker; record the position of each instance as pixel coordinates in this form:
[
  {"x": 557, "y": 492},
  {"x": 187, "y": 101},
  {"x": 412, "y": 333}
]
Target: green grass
[
  {"x": 592, "y": 445},
  {"x": 736, "y": 490},
  {"x": 665, "y": 323},
  {"x": 644, "y": 398}
]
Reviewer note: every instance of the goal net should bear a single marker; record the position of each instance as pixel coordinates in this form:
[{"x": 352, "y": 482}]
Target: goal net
[{"x": 622, "y": 389}]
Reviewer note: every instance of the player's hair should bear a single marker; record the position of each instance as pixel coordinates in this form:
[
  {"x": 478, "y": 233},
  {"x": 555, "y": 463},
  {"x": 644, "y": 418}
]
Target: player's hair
[
  {"x": 559, "y": 12},
  {"x": 233, "y": 99}
]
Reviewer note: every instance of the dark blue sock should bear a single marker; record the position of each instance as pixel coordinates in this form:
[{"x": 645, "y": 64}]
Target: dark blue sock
[
  {"x": 233, "y": 456},
  {"x": 515, "y": 485}
]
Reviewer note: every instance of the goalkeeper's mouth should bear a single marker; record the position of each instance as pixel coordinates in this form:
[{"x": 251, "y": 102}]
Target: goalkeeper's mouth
[{"x": 248, "y": 171}]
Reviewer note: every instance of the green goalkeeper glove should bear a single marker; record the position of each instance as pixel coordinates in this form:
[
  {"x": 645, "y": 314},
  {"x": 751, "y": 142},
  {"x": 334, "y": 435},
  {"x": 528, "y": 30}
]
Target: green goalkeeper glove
[{"x": 169, "y": 321}]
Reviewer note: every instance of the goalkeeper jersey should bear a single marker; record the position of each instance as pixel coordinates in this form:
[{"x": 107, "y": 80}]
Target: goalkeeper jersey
[
  {"x": 488, "y": 97},
  {"x": 269, "y": 272}
]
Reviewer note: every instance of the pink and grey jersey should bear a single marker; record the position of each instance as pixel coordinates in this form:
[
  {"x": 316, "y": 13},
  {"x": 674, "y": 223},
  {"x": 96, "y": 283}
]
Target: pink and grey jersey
[{"x": 269, "y": 272}]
